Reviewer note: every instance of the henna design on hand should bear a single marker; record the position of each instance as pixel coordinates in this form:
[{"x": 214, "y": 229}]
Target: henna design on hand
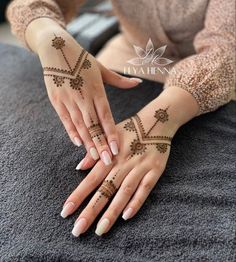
[
  {"x": 139, "y": 145},
  {"x": 107, "y": 189},
  {"x": 73, "y": 74}
]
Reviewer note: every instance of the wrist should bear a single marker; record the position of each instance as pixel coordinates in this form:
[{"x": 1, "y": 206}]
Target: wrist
[
  {"x": 39, "y": 32},
  {"x": 180, "y": 106}
]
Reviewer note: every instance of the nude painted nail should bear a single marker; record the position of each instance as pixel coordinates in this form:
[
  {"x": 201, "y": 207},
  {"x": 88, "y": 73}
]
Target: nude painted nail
[
  {"x": 102, "y": 226},
  {"x": 106, "y": 158},
  {"x": 77, "y": 141},
  {"x": 79, "y": 227},
  {"x": 94, "y": 153},
  {"x": 78, "y": 167},
  {"x": 128, "y": 213},
  {"x": 136, "y": 79},
  {"x": 114, "y": 148},
  {"x": 67, "y": 209}
]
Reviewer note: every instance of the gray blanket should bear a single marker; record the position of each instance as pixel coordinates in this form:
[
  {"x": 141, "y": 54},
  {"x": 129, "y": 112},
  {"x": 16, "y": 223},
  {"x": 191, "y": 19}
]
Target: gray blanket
[{"x": 189, "y": 216}]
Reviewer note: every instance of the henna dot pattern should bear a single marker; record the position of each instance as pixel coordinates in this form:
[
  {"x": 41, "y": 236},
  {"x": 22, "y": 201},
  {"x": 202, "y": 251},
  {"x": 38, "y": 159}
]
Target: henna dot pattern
[
  {"x": 58, "y": 80},
  {"x": 107, "y": 189},
  {"x": 76, "y": 81},
  {"x": 96, "y": 131},
  {"x": 143, "y": 139}
]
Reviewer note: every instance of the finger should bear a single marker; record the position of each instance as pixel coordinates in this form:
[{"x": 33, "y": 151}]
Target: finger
[
  {"x": 96, "y": 133},
  {"x": 78, "y": 121},
  {"x": 103, "y": 110},
  {"x": 125, "y": 192},
  {"x": 88, "y": 184},
  {"x": 86, "y": 163},
  {"x": 118, "y": 80},
  {"x": 140, "y": 196},
  {"x": 67, "y": 122},
  {"x": 99, "y": 200}
]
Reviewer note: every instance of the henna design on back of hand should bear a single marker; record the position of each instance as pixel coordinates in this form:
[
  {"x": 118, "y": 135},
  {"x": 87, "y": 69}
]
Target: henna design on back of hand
[
  {"x": 59, "y": 76},
  {"x": 143, "y": 139}
]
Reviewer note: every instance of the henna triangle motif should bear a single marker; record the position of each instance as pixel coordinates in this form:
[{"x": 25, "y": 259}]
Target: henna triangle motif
[
  {"x": 73, "y": 74},
  {"x": 143, "y": 139}
]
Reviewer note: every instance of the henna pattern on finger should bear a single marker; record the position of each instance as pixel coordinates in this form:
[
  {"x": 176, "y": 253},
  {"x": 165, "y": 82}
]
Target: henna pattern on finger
[
  {"x": 76, "y": 81},
  {"x": 107, "y": 189},
  {"x": 96, "y": 131},
  {"x": 143, "y": 139}
]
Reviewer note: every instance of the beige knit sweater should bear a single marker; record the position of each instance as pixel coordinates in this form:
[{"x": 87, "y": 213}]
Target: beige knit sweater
[{"x": 199, "y": 34}]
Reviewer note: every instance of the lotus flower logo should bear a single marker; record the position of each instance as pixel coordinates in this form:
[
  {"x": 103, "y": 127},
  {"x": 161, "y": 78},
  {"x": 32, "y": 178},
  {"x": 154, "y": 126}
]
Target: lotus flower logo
[{"x": 150, "y": 55}]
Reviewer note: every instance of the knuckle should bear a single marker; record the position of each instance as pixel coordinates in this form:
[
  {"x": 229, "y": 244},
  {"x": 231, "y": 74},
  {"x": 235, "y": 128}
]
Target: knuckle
[
  {"x": 147, "y": 185},
  {"x": 105, "y": 115},
  {"x": 138, "y": 203},
  {"x": 128, "y": 190},
  {"x": 158, "y": 166},
  {"x": 64, "y": 117},
  {"x": 54, "y": 97}
]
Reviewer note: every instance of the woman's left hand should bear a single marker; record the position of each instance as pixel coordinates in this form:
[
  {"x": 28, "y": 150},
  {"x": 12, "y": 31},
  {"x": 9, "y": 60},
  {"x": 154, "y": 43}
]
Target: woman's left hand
[{"x": 145, "y": 141}]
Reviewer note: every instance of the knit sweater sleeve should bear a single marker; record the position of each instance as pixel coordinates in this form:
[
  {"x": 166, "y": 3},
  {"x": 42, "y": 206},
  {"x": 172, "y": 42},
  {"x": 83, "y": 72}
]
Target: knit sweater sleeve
[
  {"x": 209, "y": 75},
  {"x": 21, "y": 13}
]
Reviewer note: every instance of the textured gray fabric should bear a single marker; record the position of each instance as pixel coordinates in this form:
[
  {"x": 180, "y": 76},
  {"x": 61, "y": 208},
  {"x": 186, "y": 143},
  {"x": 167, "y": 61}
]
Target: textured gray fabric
[{"x": 189, "y": 216}]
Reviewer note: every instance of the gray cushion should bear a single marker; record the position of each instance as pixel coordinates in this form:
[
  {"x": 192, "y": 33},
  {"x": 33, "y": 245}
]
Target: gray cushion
[{"x": 189, "y": 216}]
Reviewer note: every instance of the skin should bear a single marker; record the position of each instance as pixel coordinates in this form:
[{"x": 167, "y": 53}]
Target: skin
[
  {"x": 138, "y": 175},
  {"x": 78, "y": 114},
  {"x": 134, "y": 177}
]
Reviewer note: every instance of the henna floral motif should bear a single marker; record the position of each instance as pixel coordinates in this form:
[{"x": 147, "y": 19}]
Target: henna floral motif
[
  {"x": 161, "y": 147},
  {"x": 77, "y": 83},
  {"x": 139, "y": 145},
  {"x": 161, "y": 115},
  {"x": 58, "y": 42},
  {"x": 72, "y": 74},
  {"x": 58, "y": 80},
  {"x": 129, "y": 126},
  {"x": 87, "y": 64}
]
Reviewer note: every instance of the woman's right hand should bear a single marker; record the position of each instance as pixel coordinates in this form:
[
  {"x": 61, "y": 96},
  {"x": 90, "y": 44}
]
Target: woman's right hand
[{"x": 74, "y": 82}]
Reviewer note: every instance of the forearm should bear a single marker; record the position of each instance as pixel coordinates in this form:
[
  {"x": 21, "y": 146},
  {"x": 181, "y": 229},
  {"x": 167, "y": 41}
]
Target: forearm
[{"x": 181, "y": 105}]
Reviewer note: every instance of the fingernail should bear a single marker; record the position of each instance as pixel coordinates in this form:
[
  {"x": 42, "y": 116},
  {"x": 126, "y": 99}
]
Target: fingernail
[
  {"x": 79, "y": 227},
  {"x": 67, "y": 209},
  {"x": 128, "y": 213},
  {"x": 80, "y": 164},
  {"x": 106, "y": 158},
  {"x": 94, "y": 153},
  {"x": 77, "y": 141},
  {"x": 114, "y": 148},
  {"x": 102, "y": 226},
  {"x": 138, "y": 80}
]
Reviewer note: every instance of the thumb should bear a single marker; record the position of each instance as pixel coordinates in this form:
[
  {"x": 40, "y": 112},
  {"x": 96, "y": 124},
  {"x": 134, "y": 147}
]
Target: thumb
[{"x": 118, "y": 80}]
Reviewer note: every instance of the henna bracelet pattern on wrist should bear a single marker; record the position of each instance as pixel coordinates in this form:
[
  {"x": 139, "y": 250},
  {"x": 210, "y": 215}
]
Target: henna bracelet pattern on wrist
[
  {"x": 72, "y": 74},
  {"x": 143, "y": 139}
]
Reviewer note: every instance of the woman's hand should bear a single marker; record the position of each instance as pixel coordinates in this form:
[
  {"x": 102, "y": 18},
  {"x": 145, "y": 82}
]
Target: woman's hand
[
  {"x": 145, "y": 142},
  {"x": 74, "y": 82}
]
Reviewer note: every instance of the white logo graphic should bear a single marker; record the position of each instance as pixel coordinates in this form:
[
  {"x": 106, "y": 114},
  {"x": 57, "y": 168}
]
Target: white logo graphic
[{"x": 150, "y": 55}]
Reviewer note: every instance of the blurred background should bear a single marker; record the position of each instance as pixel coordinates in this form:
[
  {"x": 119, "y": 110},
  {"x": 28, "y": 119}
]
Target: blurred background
[{"x": 93, "y": 26}]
